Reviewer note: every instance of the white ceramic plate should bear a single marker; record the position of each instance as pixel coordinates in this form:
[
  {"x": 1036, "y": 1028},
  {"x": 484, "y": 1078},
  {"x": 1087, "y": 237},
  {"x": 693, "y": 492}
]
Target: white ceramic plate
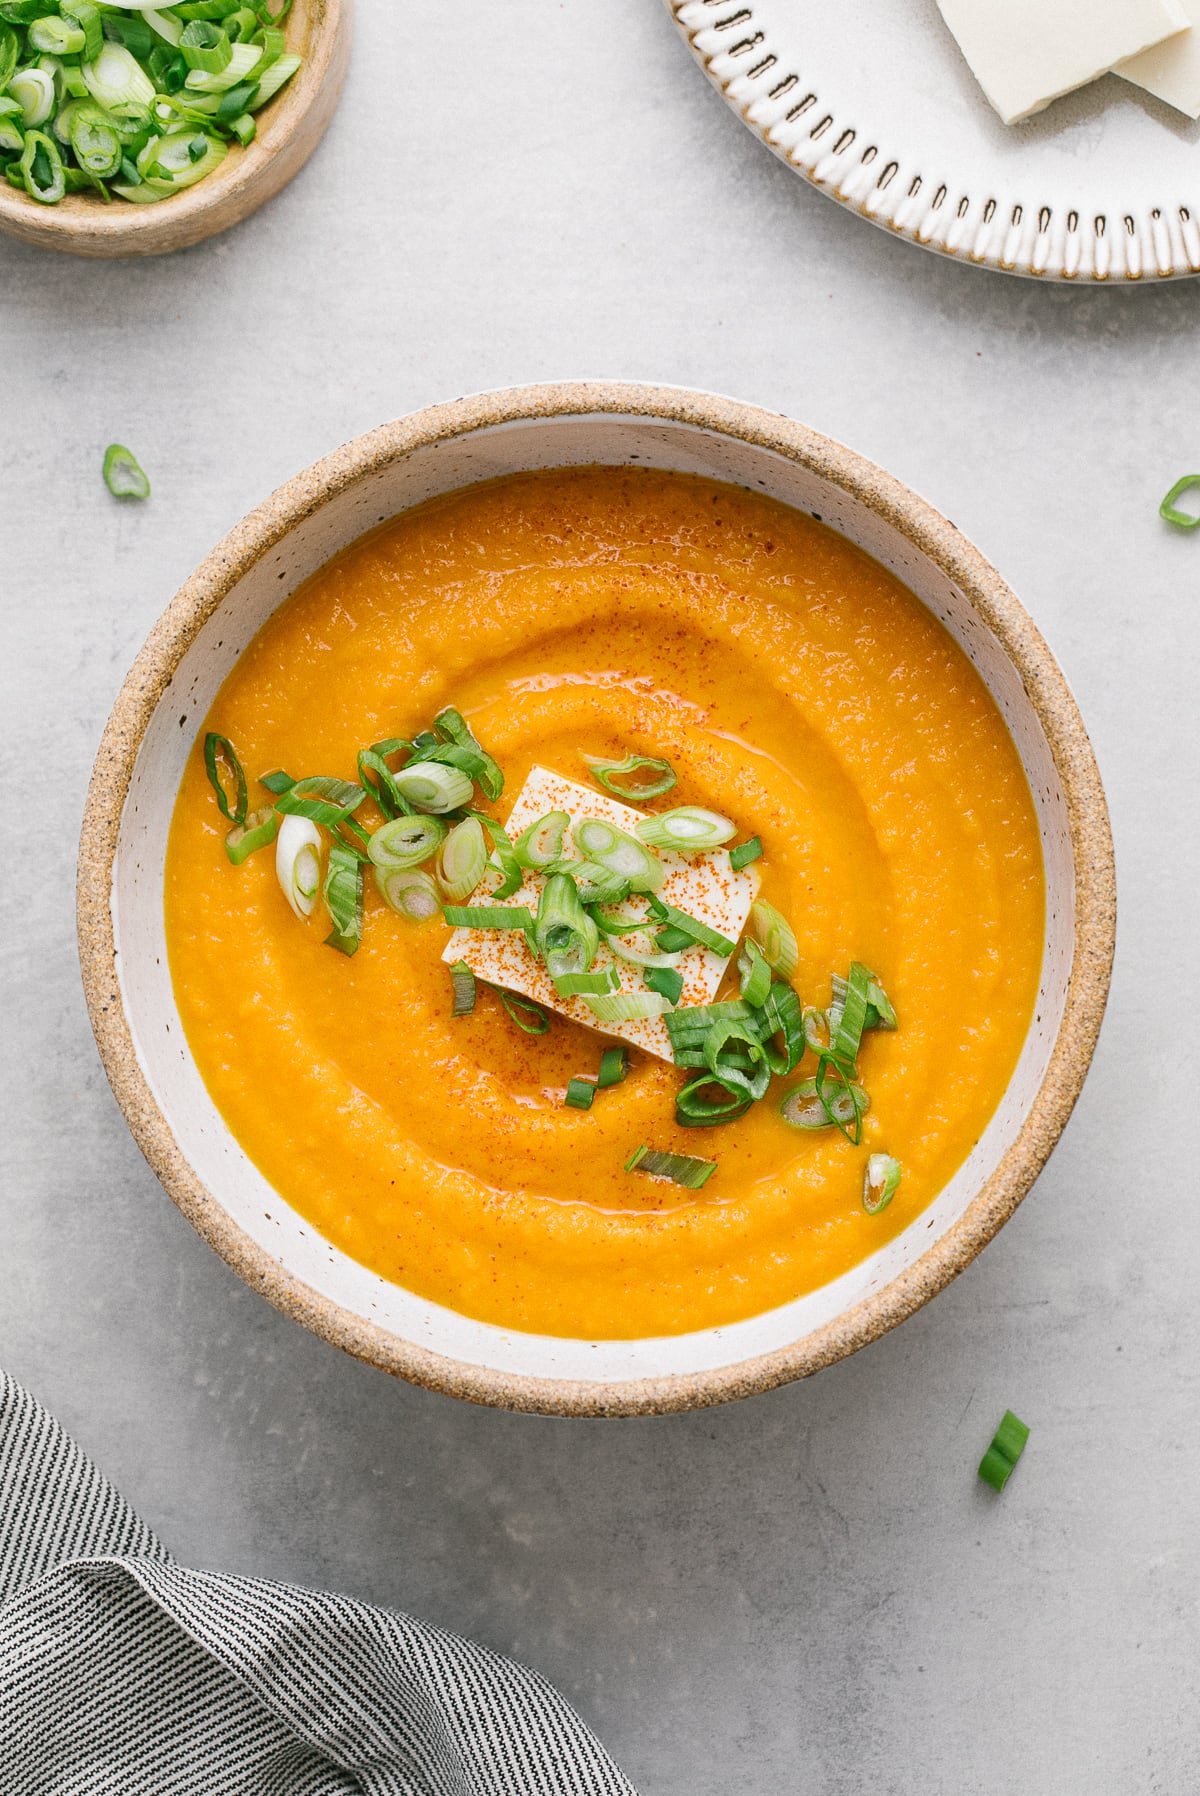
[{"x": 872, "y": 102}]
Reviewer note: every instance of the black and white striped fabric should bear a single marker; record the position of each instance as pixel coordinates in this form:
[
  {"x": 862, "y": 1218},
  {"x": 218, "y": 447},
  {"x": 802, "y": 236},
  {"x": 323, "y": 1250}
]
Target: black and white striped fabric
[{"x": 125, "y": 1674}]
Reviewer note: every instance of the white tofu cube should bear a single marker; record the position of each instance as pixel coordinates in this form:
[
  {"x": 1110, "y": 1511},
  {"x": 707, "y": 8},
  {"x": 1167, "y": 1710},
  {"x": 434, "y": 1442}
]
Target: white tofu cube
[
  {"x": 704, "y": 885},
  {"x": 1171, "y": 70},
  {"x": 1025, "y": 53}
]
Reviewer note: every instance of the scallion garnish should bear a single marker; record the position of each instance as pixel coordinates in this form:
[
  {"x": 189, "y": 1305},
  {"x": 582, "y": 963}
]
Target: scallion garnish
[
  {"x": 258, "y": 831},
  {"x": 218, "y": 750},
  {"x": 433, "y": 786},
  {"x": 619, "y": 854},
  {"x": 409, "y": 892},
  {"x": 1171, "y": 513},
  {"x": 343, "y": 899},
  {"x": 541, "y": 843},
  {"x": 276, "y": 781},
  {"x": 524, "y": 1012},
  {"x": 298, "y": 863},
  {"x": 696, "y": 1110},
  {"x": 680, "y": 1169},
  {"x": 624, "y": 779},
  {"x": 692, "y": 928},
  {"x": 776, "y": 937},
  {"x": 566, "y": 936},
  {"x": 754, "y": 974},
  {"x": 1008, "y": 1443},
  {"x": 665, "y": 980},
  {"x": 809, "y": 1105},
  {"x": 614, "y": 1065},
  {"x": 488, "y": 916},
  {"x": 376, "y": 777},
  {"x": 881, "y": 1181},
  {"x": 849, "y": 1102},
  {"x": 673, "y": 942},
  {"x": 745, "y": 852},
  {"x": 582, "y": 985},
  {"x": 124, "y": 476},
  {"x": 782, "y": 1017},
  {"x": 329, "y": 802},
  {"x": 463, "y": 860},
  {"x": 462, "y": 982},
  {"x": 503, "y": 856},
  {"x": 626, "y": 1007},
  {"x": 406, "y": 841},
  {"x": 689, "y": 830},
  {"x": 580, "y": 1093}
]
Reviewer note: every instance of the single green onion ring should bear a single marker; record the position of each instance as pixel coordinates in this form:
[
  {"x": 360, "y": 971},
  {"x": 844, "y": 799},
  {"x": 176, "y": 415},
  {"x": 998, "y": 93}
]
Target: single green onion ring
[
  {"x": 218, "y": 749},
  {"x": 298, "y": 863},
  {"x": 566, "y": 936},
  {"x": 463, "y": 860},
  {"x": 680, "y": 1169},
  {"x": 462, "y": 983},
  {"x": 434, "y": 786},
  {"x": 745, "y": 852},
  {"x": 523, "y": 1011},
  {"x": 258, "y": 831},
  {"x": 409, "y": 892},
  {"x": 583, "y": 985},
  {"x": 124, "y": 476},
  {"x": 614, "y": 1065},
  {"x": 667, "y": 981},
  {"x": 881, "y": 1181},
  {"x": 608, "y": 773},
  {"x": 754, "y": 974},
  {"x": 626, "y": 1007},
  {"x": 776, "y": 937},
  {"x": 619, "y": 854},
  {"x": 693, "y": 928},
  {"x": 695, "y": 1110},
  {"x": 580, "y": 1093},
  {"x": 406, "y": 841},
  {"x": 540, "y": 844},
  {"x": 503, "y": 856},
  {"x": 809, "y": 1106},
  {"x": 781, "y": 1015},
  {"x": 689, "y": 830},
  {"x": 1170, "y": 512},
  {"x": 1008, "y": 1443},
  {"x": 344, "y": 899}
]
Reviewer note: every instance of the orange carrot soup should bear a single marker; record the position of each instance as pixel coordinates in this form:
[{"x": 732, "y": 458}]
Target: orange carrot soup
[{"x": 669, "y": 947}]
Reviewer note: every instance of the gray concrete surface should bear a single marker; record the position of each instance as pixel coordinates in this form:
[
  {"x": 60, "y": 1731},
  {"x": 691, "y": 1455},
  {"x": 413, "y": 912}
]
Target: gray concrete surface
[{"x": 809, "y": 1592}]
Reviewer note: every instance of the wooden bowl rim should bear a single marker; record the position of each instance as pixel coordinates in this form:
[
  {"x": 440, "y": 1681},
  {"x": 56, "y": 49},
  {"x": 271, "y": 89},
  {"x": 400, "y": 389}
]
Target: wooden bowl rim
[
  {"x": 929, "y": 533},
  {"x": 290, "y": 128}
]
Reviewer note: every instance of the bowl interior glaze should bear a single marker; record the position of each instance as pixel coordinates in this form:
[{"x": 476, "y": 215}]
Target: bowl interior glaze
[{"x": 154, "y": 728}]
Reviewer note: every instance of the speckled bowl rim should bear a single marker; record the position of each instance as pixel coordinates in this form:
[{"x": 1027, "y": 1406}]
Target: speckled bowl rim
[{"x": 927, "y": 531}]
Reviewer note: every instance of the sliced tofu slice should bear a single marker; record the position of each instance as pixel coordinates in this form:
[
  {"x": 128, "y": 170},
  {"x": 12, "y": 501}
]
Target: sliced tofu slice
[
  {"x": 1025, "y": 53},
  {"x": 1171, "y": 70},
  {"x": 704, "y": 885}
]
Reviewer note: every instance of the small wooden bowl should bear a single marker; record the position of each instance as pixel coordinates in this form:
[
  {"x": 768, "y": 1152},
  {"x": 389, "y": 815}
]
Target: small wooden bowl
[{"x": 289, "y": 129}]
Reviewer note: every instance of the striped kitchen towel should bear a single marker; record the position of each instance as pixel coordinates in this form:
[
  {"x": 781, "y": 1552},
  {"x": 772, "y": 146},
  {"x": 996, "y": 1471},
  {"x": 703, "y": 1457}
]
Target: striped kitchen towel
[{"x": 125, "y": 1674}]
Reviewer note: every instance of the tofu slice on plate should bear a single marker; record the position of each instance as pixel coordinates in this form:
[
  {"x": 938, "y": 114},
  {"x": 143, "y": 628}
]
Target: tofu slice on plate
[
  {"x": 704, "y": 885},
  {"x": 1171, "y": 70}
]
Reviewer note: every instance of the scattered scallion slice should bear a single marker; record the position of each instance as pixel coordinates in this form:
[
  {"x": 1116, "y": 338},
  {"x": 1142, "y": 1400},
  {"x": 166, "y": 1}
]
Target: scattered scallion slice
[
  {"x": 620, "y": 854},
  {"x": 745, "y": 852},
  {"x": 582, "y": 985},
  {"x": 809, "y": 1106},
  {"x": 258, "y": 831},
  {"x": 693, "y": 928},
  {"x": 734, "y": 1054},
  {"x": 680, "y": 1169},
  {"x": 344, "y": 899},
  {"x": 626, "y": 1007},
  {"x": 433, "y": 786},
  {"x": 298, "y": 863},
  {"x": 406, "y": 841},
  {"x": 541, "y": 843},
  {"x": 463, "y": 860},
  {"x": 580, "y": 1093},
  {"x": 881, "y": 1181},
  {"x": 625, "y": 779},
  {"x": 754, "y": 974},
  {"x": 567, "y": 937},
  {"x": 1171, "y": 513},
  {"x": 503, "y": 856},
  {"x": 625, "y": 948},
  {"x": 816, "y": 1029},
  {"x": 124, "y": 476},
  {"x": 523, "y": 1011},
  {"x": 488, "y": 916},
  {"x": 462, "y": 982},
  {"x": 776, "y": 937},
  {"x": 329, "y": 802},
  {"x": 614, "y": 1065},
  {"x": 219, "y": 751},
  {"x": 695, "y": 1109},
  {"x": 33, "y": 90},
  {"x": 689, "y": 830},
  {"x": 409, "y": 892},
  {"x": 1008, "y": 1443},
  {"x": 781, "y": 1022},
  {"x": 665, "y": 980}
]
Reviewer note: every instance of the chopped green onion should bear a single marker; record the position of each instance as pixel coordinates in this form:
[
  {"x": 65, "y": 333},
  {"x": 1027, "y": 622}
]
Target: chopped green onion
[
  {"x": 10, "y": 56},
  {"x": 376, "y": 777},
  {"x": 848, "y": 1014},
  {"x": 580, "y": 985},
  {"x": 117, "y": 78},
  {"x": 97, "y": 148},
  {"x": 243, "y": 128},
  {"x": 462, "y": 982},
  {"x": 620, "y": 854},
  {"x": 731, "y": 1068},
  {"x": 242, "y": 59},
  {"x": 880, "y": 1013},
  {"x": 673, "y": 942},
  {"x": 56, "y": 37},
  {"x": 409, "y": 892},
  {"x": 881, "y": 1181},
  {"x": 847, "y": 1108},
  {"x": 258, "y": 831},
  {"x": 617, "y": 918},
  {"x": 541, "y": 843},
  {"x": 270, "y": 82},
  {"x": 781, "y": 1015},
  {"x": 298, "y": 863},
  {"x": 596, "y": 885},
  {"x": 218, "y": 749},
  {"x": 816, "y": 1029},
  {"x": 41, "y": 167},
  {"x": 123, "y": 475},
  {"x": 614, "y": 1065},
  {"x": 695, "y": 1020},
  {"x": 665, "y": 980},
  {"x": 688, "y": 830},
  {"x": 87, "y": 17},
  {"x": 745, "y": 852},
  {"x": 754, "y": 974},
  {"x": 523, "y": 1011},
  {"x": 179, "y": 160},
  {"x": 433, "y": 786},
  {"x": 619, "y": 777},
  {"x": 276, "y": 781},
  {"x": 627, "y": 1007},
  {"x": 488, "y": 916},
  {"x": 329, "y": 802},
  {"x": 693, "y": 928},
  {"x": 503, "y": 856},
  {"x": 33, "y": 90},
  {"x": 693, "y": 1110},
  {"x": 808, "y": 1106},
  {"x": 680, "y": 1169},
  {"x": 998, "y": 1463},
  {"x": 566, "y": 936},
  {"x": 580, "y": 1093},
  {"x": 406, "y": 841},
  {"x": 624, "y": 949},
  {"x": 205, "y": 46},
  {"x": 344, "y": 899},
  {"x": 463, "y": 860},
  {"x": 1171, "y": 513},
  {"x": 776, "y": 937}
]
